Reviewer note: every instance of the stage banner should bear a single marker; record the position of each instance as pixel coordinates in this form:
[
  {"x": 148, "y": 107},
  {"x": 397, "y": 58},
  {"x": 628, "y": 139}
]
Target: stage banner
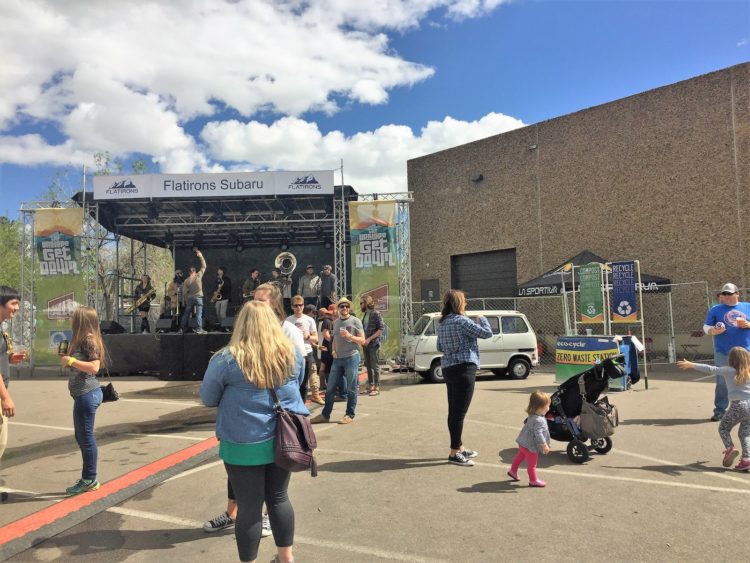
[
  {"x": 214, "y": 185},
  {"x": 624, "y": 303},
  {"x": 590, "y": 287},
  {"x": 374, "y": 256},
  {"x": 59, "y": 287}
]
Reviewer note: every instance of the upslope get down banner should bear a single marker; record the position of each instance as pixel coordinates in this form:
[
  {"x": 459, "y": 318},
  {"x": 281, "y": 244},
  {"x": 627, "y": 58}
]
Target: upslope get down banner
[
  {"x": 374, "y": 258},
  {"x": 59, "y": 286}
]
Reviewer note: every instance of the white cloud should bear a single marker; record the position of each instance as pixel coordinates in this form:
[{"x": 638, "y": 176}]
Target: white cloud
[
  {"x": 130, "y": 77},
  {"x": 374, "y": 161}
]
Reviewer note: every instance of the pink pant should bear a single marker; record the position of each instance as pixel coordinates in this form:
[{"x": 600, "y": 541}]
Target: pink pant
[{"x": 531, "y": 459}]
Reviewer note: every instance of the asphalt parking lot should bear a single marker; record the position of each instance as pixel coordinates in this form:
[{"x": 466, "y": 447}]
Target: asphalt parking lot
[{"x": 385, "y": 491}]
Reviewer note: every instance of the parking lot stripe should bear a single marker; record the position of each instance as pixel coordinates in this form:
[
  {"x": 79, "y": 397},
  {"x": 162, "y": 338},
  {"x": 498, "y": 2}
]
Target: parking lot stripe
[
  {"x": 65, "y": 428},
  {"x": 35, "y": 528}
]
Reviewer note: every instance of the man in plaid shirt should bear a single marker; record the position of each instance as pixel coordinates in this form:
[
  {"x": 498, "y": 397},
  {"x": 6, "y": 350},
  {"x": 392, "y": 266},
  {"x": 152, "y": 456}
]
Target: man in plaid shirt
[{"x": 372, "y": 320}]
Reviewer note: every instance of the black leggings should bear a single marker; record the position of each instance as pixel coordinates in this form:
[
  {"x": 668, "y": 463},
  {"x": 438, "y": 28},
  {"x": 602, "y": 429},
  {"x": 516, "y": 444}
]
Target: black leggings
[
  {"x": 253, "y": 485},
  {"x": 459, "y": 381}
]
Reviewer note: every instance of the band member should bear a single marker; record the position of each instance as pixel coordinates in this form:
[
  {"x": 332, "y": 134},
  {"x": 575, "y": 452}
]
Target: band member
[
  {"x": 173, "y": 295},
  {"x": 145, "y": 291},
  {"x": 223, "y": 294},
  {"x": 285, "y": 286},
  {"x": 309, "y": 285},
  {"x": 327, "y": 287},
  {"x": 251, "y": 284},
  {"x": 192, "y": 289}
]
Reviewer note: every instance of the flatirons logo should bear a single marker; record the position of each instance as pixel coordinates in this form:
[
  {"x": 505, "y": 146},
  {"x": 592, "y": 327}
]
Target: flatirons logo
[
  {"x": 124, "y": 187},
  {"x": 305, "y": 183}
]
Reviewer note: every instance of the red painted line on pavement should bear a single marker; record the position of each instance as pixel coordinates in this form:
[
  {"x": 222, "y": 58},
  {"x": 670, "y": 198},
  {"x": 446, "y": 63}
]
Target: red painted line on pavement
[{"x": 57, "y": 511}]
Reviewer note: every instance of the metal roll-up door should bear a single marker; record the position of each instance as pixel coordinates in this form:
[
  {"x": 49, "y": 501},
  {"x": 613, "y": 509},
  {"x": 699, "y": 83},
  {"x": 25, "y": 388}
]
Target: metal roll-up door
[{"x": 485, "y": 274}]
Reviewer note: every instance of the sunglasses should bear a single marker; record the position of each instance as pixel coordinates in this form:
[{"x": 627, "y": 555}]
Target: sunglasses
[
  {"x": 298, "y": 305},
  {"x": 344, "y": 307}
]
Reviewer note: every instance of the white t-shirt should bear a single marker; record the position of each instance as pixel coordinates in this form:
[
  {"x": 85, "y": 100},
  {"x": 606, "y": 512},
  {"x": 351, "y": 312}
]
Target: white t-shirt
[
  {"x": 294, "y": 334},
  {"x": 304, "y": 323}
]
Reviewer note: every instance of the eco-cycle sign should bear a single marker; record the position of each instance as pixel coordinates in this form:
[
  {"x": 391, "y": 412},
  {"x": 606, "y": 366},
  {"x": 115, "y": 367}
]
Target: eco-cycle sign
[{"x": 590, "y": 288}]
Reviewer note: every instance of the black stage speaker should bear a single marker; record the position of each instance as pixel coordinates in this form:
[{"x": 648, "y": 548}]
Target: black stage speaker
[
  {"x": 164, "y": 325},
  {"x": 196, "y": 356},
  {"x": 131, "y": 353},
  {"x": 111, "y": 327},
  {"x": 228, "y": 323},
  {"x": 216, "y": 341},
  {"x": 171, "y": 357}
]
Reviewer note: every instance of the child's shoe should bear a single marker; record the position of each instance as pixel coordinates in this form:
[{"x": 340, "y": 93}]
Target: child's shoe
[
  {"x": 513, "y": 476},
  {"x": 730, "y": 454},
  {"x": 743, "y": 465},
  {"x": 538, "y": 483}
]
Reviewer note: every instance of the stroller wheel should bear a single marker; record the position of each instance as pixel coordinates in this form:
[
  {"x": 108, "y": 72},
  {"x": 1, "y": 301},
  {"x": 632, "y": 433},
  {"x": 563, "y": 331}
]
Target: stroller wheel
[
  {"x": 577, "y": 451},
  {"x": 602, "y": 445}
]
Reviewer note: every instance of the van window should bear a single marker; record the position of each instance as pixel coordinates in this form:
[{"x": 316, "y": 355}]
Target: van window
[
  {"x": 494, "y": 324},
  {"x": 420, "y": 324},
  {"x": 514, "y": 325},
  {"x": 430, "y": 330}
]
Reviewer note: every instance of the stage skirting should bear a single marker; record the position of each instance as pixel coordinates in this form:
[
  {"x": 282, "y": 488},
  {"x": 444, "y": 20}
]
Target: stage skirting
[{"x": 170, "y": 356}]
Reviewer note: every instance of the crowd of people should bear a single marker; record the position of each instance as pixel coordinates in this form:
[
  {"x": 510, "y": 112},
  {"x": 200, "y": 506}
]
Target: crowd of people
[{"x": 297, "y": 354}]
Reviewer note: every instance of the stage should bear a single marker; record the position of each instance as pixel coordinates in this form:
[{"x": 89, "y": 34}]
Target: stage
[{"x": 171, "y": 356}]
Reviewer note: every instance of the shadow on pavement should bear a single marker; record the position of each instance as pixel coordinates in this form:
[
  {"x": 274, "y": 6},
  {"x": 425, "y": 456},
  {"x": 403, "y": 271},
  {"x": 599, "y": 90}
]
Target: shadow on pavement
[
  {"x": 664, "y": 421},
  {"x": 676, "y": 470},
  {"x": 490, "y": 487},
  {"x": 104, "y": 542},
  {"x": 379, "y": 465}
]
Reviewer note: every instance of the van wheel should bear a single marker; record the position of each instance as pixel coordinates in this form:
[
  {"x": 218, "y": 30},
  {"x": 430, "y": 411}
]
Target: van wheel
[
  {"x": 436, "y": 372},
  {"x": 499, "y": 372},
  {"x": 519, "y": 369}
]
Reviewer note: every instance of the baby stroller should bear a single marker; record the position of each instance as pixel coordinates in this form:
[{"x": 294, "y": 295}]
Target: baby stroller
[{"x": 566, "y": 404}]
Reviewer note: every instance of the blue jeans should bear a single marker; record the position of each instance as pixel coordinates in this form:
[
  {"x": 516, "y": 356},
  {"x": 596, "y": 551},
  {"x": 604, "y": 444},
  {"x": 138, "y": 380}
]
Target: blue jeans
[
  {"x": 721, "y": 394},
  {"x": 345, "y": 368},
  {"x": 84, "y": 413},
  {"x": 198, "y": 303}
]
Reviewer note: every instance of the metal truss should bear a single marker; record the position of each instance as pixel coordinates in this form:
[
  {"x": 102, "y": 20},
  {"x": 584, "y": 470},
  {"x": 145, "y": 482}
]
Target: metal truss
[
  {"x": 339, "y": 244},
  {"x": 23, "y": 327},
  {"x": 92, "y": 238}
]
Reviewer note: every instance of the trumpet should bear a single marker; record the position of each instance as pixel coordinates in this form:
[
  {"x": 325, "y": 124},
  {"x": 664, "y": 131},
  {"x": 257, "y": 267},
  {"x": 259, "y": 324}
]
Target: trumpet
[{"x": 141, "y": 300}]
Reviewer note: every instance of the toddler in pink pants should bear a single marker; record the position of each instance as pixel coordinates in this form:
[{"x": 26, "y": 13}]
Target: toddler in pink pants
[{"x": 534, "y": 438}]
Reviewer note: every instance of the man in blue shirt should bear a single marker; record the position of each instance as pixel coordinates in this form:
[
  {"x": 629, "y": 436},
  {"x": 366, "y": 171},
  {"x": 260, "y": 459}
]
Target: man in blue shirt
[{"x": 727, "y": 323}]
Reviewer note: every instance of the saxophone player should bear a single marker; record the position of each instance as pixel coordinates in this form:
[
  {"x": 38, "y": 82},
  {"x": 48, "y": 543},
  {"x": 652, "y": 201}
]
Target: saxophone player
[
  {"x": 144, "y": 292},
  {"x": 223, "y": 293}
]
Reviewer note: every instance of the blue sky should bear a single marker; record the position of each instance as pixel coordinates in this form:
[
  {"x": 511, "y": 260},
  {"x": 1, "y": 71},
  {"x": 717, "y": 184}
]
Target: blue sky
[{"x": 300, "y": 85}]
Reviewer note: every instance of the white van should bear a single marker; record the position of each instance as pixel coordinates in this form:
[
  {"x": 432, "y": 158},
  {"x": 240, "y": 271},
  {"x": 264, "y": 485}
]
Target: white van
[{"x": 511, "y": 350}]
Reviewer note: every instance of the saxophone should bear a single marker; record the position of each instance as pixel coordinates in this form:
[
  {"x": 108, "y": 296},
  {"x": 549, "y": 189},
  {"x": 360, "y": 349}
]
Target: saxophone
[
  {"x": 141, "y": 300},
  {"x": 216, "y": 295}
]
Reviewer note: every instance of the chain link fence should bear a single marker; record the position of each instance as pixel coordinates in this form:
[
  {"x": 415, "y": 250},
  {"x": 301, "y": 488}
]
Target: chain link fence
[{"x": 672, "y": 321}]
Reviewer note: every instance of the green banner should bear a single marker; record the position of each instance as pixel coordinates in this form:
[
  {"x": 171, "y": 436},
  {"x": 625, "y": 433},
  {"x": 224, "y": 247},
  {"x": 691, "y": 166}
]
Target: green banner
[
  {"x": 375, "y": 265},
  {"x": 590, "y": 287},
  {"x": 59, "y": 287}
]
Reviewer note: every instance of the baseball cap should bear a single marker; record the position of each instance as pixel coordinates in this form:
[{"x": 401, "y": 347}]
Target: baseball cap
[
  {"x": 309, "y": 266},
  {"x": 729, "y": 288},
  {"x": 327, "y": 267}
]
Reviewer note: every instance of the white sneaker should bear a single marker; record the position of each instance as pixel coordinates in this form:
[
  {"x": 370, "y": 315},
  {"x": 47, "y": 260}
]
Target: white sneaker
[{"x": 266, "y": 530}]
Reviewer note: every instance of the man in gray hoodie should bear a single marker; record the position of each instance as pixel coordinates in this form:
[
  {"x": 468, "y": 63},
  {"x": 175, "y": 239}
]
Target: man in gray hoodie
[{"x": 192, "y": 294}]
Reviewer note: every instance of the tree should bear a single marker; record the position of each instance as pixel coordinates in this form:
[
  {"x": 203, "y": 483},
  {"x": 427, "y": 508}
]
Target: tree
[{"x": 10, "y": 253}]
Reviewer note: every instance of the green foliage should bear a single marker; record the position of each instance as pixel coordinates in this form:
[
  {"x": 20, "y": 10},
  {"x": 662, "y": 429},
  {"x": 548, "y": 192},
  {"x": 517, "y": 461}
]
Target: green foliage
[{"x": 10, "y": 253}]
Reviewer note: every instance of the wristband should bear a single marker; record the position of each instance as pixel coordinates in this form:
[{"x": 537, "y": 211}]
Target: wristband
[{"x": 70, "y": 361}]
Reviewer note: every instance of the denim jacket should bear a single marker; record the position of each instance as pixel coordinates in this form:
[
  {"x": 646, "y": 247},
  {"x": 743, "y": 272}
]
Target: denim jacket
[{"x": 245, "y": 412}]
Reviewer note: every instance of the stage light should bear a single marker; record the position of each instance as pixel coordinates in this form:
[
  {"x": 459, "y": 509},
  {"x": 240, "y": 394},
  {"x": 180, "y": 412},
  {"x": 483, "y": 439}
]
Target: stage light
[
  {"x": 169, "y": 238},
  {"x": 328, "y": 244},
  {"x": 153, "y": 212},
  {"x": 240, "y": 247},
  {"x": 284, "y": 245},
  {"x": 197, "y": 209}
]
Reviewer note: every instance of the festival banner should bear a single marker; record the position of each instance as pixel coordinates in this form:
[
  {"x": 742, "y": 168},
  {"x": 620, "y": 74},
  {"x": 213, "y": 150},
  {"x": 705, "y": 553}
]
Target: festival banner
[
  {"x": 374, "y": 255},
  {"x": 590, "y": 287},
  {"x": 624, "y": 303},
  {"x": 59, "y": 287}
]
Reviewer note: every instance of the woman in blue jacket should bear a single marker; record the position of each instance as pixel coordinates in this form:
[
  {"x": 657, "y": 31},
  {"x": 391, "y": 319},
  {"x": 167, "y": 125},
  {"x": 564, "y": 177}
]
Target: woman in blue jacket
[{"x": 259, "y": 357}]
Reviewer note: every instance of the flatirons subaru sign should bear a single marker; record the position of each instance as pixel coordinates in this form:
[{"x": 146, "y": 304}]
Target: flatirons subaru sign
[{"x": 316, "y": 182}]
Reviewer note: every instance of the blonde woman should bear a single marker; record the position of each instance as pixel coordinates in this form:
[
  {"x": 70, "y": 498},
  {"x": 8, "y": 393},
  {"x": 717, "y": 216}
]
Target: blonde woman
[
  {"x": 259, "y": 357},
  {"x": 82, "y": 366},
  {"x": 737, "y": 379}
]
